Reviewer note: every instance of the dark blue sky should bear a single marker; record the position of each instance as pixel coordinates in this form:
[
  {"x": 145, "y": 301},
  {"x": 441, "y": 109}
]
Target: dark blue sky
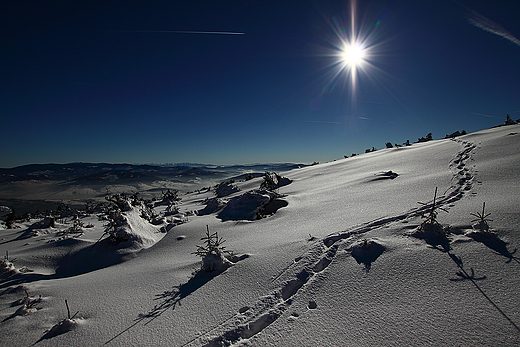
[{"x": 107, "y": 81}]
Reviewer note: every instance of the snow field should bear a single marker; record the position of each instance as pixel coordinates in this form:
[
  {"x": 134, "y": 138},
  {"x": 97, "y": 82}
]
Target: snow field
[{"x": 338, "y": 265}]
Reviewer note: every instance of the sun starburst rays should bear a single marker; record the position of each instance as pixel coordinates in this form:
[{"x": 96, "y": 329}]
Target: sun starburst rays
[
  {"x": 351, "y": 51},
  {"x": 353, "y": 55}
]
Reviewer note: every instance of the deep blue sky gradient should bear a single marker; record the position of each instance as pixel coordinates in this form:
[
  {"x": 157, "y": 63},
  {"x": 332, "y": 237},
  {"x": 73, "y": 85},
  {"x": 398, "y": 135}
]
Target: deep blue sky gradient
[{"x": 91, "y": 81}]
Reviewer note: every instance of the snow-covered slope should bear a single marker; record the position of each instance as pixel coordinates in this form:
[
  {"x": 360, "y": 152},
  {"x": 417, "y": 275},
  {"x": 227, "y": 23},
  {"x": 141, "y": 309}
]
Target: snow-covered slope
[{"x": 342, "y": 263}]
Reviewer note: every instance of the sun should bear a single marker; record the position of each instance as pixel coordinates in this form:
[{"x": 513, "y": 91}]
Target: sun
[
  {"x": 353, "y": 48},
  {"x": 353, "y": 54}
]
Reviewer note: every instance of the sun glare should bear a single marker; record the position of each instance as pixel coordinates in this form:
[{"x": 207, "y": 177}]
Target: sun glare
[
  {"x": 353, "y": 46},
  {"x": 354, "y": 54}
]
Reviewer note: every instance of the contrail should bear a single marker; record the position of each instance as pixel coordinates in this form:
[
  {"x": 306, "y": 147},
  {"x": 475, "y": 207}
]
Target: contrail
[
  {"x": 320, "y": 121},
  {"x": 488, "y": 25},
  {"x": 486, "y": 115},
  {"x": 177, "y": 32}
]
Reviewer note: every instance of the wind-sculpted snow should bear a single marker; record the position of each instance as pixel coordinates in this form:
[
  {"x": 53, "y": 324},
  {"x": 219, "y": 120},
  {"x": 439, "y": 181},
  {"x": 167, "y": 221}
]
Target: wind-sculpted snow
[{"x": 248, "y": 323}]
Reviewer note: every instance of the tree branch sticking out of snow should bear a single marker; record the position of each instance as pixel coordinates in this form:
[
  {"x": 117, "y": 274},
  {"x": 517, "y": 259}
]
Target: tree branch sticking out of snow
[
  {"x": 212, "y": 253},
  {"x": 68, "y": 311},
  {"x": 63, "y": 326}
]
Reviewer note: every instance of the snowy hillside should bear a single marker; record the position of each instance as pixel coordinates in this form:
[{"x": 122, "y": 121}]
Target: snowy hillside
[{"x": 356, "y": 252}]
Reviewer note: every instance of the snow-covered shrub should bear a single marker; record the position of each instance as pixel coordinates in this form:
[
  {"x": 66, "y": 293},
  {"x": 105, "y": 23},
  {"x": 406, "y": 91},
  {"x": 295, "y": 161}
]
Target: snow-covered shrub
[
  {"x": 273, "y": 181},
  {"x": 252, "y": 205},
  {"x": 148, "y": 213},
  {"x": 170, "y": 195},
  {"x": 7, "y": 267},
  {"x": 29, "y": 304},
  {"x": 44, "y": 223},
  {"x": 366, "y": 252},
  {"x": 225, "y": 188},
  {"x": 428, "y": 137},
  {"x": 213, "y": 253},
  {"x": 115, "y": 221},
  {"x": 4, "y": 212},
  {"x": 77, "y": 224},
  {"x": 63, "y": 211},
  {"x": 121, "y": 201},
  {"x": 10, "y": 219},
  {"x": 170, "y": 199},
  {"x": 212, "y": 205},
  {"x": 89, "y": 207}
]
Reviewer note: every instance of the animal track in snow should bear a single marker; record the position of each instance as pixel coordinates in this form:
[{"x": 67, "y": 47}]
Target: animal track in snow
[
  {"x": 249, "y": 321},
  {"x": 463, "y": 175}
]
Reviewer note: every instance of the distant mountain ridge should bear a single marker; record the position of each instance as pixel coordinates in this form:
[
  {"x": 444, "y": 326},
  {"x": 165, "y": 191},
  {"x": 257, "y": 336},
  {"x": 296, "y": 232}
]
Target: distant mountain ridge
[
  {"x": 104, "y": 172},
  {"x": 92, "y": 172}
]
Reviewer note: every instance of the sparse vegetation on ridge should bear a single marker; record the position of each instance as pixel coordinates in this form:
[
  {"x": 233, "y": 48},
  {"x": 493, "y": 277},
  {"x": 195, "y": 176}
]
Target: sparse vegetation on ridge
[{"x": 455, "y": 134}]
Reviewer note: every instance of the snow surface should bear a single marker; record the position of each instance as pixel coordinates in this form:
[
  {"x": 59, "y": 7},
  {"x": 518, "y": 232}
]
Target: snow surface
[{"x": 340, "y": 264}]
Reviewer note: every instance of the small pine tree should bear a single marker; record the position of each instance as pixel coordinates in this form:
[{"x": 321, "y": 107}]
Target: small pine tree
[
  {"x": 509, "y": 121},
  {"x": 212, "y": 252},
  {"x": 431, "y": 223},
  {"x": 481, "y": 219}
]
